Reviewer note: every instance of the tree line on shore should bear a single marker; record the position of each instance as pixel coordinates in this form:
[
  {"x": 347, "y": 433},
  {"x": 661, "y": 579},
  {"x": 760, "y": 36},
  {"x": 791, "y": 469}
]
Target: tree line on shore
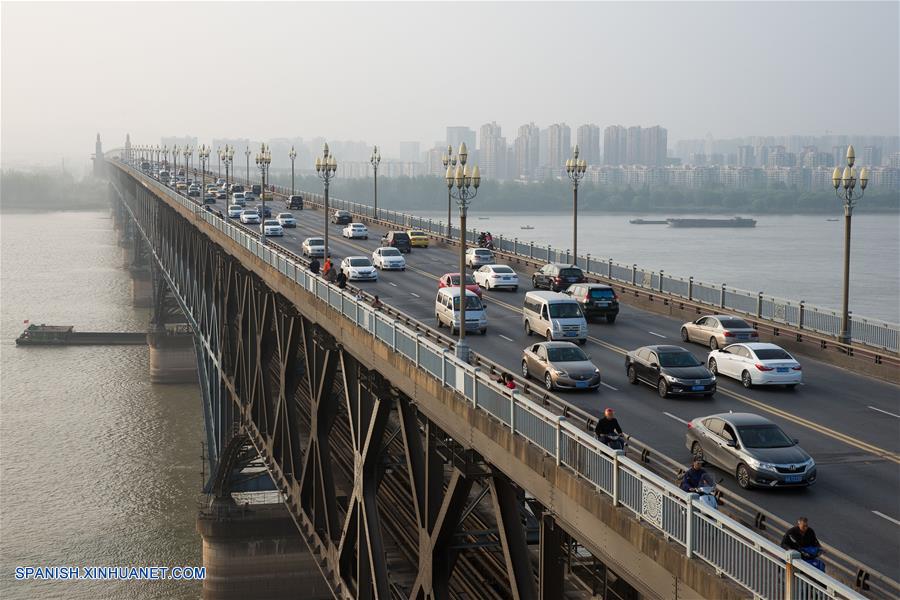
[{"x": 50, "y": 190}]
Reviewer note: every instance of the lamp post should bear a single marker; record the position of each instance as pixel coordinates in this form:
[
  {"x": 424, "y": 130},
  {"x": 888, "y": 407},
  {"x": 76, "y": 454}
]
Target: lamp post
[
  {"x": 228, "y": 159},
  {"x": 218, "y": 164},
  {"x": 293, "y": 155},
  {"x": 326, "y": 165},
  {"x": 175, "y": 163},
  {"x": 575, "y": 169},
  {"x": 188, "y": 152},
  {"x": 449, "y": 161},
  {"x": 844, "y": 186},
  {"x": 263, "y": 160},
  {"x": 375, "y": 160},
  {"x": 466, "y": 183},
  {"x": 156, "y": 150},
  {"x": 203, "y": 155},
  {"x": 165, "y": 153},
  {"x": 247, "y": 154}
]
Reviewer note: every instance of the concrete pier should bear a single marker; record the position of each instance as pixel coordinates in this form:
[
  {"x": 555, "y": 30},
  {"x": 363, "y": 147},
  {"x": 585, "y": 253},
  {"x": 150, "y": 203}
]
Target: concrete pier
[
  {"x": 141, "y": 287},
  {"x": 256, "y": 552},
  {"x": 172, "y": 357}
]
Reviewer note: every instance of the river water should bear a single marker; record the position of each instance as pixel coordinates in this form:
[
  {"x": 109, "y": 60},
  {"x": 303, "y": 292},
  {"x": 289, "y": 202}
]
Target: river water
[
  {"x": 797, "y": 257},
  {"x": 97, "y": 466}
]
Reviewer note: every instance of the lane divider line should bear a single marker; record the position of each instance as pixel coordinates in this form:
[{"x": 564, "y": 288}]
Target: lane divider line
[
  {"x": 415, "y": 294},
  {"x": 679, "y": 419},
  {"x": 884, "y": 516},
  {"x": 657, "y": 335},
  {"x": 606, "y": 385},
  {"x": 508, "y": 339},
  {"x": 885, "y": 412}
]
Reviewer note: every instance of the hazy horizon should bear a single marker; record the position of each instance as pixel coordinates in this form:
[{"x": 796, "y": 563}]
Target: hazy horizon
[{"x": 389, "y": 72}]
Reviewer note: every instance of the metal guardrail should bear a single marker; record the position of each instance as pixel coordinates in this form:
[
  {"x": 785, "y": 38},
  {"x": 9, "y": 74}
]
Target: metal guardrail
[{"x": 748, "y": 559}]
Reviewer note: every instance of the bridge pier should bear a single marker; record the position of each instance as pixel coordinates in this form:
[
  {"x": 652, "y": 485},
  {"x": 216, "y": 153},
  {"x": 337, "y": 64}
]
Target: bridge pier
[
  {"x": 256, "y": 551},
  {"x": 172, "y": 357},
  {"x": 141, "y": 287}
]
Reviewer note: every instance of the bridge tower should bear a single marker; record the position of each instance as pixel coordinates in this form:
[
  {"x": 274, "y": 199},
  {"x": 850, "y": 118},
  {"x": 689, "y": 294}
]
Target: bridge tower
[
  {"x": 98, "y": 157},
  {"x": 128, "y": 147}
]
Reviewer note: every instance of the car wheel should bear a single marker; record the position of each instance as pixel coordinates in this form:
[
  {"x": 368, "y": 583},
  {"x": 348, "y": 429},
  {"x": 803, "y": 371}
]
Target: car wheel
[
  {"x": 697, "y": 451},
  {"x": 746, "y": 380},
  {"x": 713, "y": 367},
  {"x": 632, "y": 375},
  {"x": 582, "y": 342},
  {"x": 515, "y": 289},
  {"x": 534, "y": 283},
  {"x": 549, "y": 336},
  {"x": 527, "y": 329},
  {"x": 438, "y": 319},
  {"x": 743, "y": 477},
  {"x": 610, "y": 319},
  {"x": 713, "y": 344},
  {"x": 525, "y": 369},
  {"x": 484, "y": 331},
  {"x": 548, "y": 382},
  {"x": 791, "y": 386},
  {"x": 662, "y": 388},
  {"x": 684, "y": 335}
]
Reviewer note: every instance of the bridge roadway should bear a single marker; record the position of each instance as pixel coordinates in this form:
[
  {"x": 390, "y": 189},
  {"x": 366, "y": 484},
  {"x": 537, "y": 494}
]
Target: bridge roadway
[{"x": 842, "y": 419}]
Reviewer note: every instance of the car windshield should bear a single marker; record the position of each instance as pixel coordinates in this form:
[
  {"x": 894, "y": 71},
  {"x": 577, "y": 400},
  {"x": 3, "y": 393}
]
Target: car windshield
[
  {"x": 602, "y": 293},
  {"x": 390, "y": 252},
  {"x": 503, "y": 270},
  {"x": 360, "y": 262},
  {"x": 234, "y": 207},
  {"x": 417, "y": 233},
  {"x": 678, "y": 359},
  {"x": 764, "y": 436},
  {"x": 771, "y": 354},
  {"x": 271, "y": 222},
  {"x": 454, "y": 280},
  {"x": 483, "y": 252},
  {"x": 315, "y": 242},
  {"x": 571, "y": 272},
  {"x": 401, "y": 236},
  {"x": 357, "y": 226},
  {"x": 472, "y": 303},
  {"x": 565, "y": 354},
  {"x": 251, "y": 213},
  {"x": 285, "y": 216},
  {"x": 734, "y": 323},
  {"x": 565, "y": 310}
]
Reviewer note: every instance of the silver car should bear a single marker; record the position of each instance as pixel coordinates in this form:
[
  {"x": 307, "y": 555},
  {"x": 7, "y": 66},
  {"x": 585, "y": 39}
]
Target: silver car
[
  {"x": 752, "y": 448},
  {"x": 718, "y": 331},
  {"x": 561, "y": 365}
]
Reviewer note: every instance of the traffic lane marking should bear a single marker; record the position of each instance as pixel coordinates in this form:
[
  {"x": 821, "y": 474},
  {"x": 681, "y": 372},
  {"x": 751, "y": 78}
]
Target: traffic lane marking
[
  {"x": 606, "y": 385},
  {"x": 884, "y": 516},
  {"x": 657, "y": 335},
  {"x": 884, "y": 411},
  {"x": 508, "y": 339},
  {"x": 679, "y": 419}
]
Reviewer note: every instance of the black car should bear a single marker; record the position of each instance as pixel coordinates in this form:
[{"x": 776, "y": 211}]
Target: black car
[
  {"x": 672, "y": 370},
  {"x": 397, "y": 239},
  {"x": 265, "y": 212},
  {"x": 596, "y": 300},
  {"x": 294, "y": 202},
  {"x": 557, "y": 277},
  {"x": 341, "y": 217}
]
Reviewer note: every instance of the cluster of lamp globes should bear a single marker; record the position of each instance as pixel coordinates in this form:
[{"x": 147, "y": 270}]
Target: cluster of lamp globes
[
  {"x": 575, "y": 167},
  {"x": 327, "y": 163},
  {"x": 227, "y": 154},
  {"x": 263, "y": 157},
  {"x": 462, "y": 177},
  {"x": 847, "y": 177}
]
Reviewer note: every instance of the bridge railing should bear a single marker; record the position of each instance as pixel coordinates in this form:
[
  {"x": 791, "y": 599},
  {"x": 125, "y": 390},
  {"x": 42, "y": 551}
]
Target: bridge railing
[{"x": 751, "y": 561}]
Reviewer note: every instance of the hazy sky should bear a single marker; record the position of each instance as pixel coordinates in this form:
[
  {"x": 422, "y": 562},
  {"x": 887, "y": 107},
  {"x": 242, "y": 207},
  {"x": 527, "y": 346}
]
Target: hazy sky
[{"x": 385, "y": 72}]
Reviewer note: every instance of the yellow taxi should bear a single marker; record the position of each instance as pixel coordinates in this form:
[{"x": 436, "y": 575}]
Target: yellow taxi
[{"x": 418, "y": 239}]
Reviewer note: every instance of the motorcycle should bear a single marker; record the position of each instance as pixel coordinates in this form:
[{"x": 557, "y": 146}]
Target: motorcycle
[
  {"x": 615, "y": 441},
  {"x": 811, "y": 554},
  {"x": 707, "y": 492},
  {"x": 485, "y": 240}
]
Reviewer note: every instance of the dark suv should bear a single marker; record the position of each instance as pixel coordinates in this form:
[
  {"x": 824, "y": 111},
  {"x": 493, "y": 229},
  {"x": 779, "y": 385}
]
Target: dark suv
[
  {"x": 596, "y": 300},
  {"x": 341, "y": 217},
  {"x": 397, "y": 239},
  {"x": 294, "y": 202},
  {"x": 557, "y": 276}
]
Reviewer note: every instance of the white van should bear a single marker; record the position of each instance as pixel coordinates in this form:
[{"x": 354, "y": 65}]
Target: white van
[
  {"x": 446, "y": 310},
  {"x": 554, "y": 315}
]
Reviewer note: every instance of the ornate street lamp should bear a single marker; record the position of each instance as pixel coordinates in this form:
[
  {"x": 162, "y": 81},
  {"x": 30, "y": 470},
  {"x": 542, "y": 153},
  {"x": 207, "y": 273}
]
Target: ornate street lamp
[
  {"x": 228, "y": 159},
  {"x": 203, "y": 155},
  {"x": 165, "y": 153},
  {"x": 575, "y": 169},
  {"x": 292, "y": 155},
  {"x": 175, "y": 163},
  {"x": 844, "y": 186},
  {"x": 247, "y": 154},
  {"x": 218, "y": 164},
  {"x": 326, "y": 166},
  {"x": 449, "y": 161},
  {"x": 466, "y": 182},
  {"x": 375, "y": 160},
  {"x": 263, "y": 160},
  {"x": 188, "y": 152}
]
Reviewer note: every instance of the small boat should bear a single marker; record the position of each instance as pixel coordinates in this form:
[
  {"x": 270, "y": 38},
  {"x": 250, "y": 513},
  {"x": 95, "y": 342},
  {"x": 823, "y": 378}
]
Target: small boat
[
  {"x": 528, "y": 227},
  {"x": 484, "y": 218},
  {"x": 647, "y": 222},
  {"x": 831, "y": 219}
]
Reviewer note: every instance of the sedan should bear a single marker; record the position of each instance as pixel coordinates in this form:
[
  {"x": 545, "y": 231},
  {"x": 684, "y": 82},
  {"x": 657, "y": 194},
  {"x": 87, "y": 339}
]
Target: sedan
[
  {"x": 250, "y": 217},
  {"x": 561, "y": 365},
  {"x": 234, "y": 211},
  {"x": 194, "y": 190},
  {"x": 355, "y": 230},
  {"x": 341, "y": 217},
  {"x": 221, "y": 195},
  {"x": 751, "y": 447},
  {"x": 388, "y": 258},
  {"x": 272, "y": 227},
  {"x": 452, "y": 280},
  {"x": 209, "y": 198},
  {"x": 718, "y": 331},
  {"x": 313, "y": 247},
  {"x": 418, "y": 239},
  {"x": 359, "y": 268},
  {"x": 238, "y": 198},
  {"x": 756, "y": 364},
  {"x": 557, "y": 276},
  {"x": 476, "y": 257},
  {"x": 286, "y": 220},
  {"x": 671, "y": 370},
  {"x": 497, "y": 276}
]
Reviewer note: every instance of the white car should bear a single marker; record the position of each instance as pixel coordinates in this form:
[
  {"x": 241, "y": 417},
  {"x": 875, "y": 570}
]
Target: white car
[
  {"x": 359, "y": 268},
  {"x": 355, "y": 230},
  {"x": 234, "y": 211},
  {"x": 313, "y": 247},
  {"x": 272, "y": 227},
  {"x": 286, "y": 220},
  {"x": 389, "y": 258},
  {"x": 497, "y": 276},
  {"x": 756, "y": 363},
  {"x": 250, "y": 216},
  {"x": 477, "y": 257}
]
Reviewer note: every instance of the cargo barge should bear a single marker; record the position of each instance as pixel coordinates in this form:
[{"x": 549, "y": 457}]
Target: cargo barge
[
  {"x": 65, "y": 335},
  {"x": 648, "y": 222},
  {"x": 734, "y": 222}
]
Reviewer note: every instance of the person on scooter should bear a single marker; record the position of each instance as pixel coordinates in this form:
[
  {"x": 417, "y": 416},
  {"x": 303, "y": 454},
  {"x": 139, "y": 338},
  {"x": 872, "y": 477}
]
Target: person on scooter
[
  {"x": 693, "y": 476},
  {"x": 802, "y": 538},
  {"x": 607, "y": 428}
]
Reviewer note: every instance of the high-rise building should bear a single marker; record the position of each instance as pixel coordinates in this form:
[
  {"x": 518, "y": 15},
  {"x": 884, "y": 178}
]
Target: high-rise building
[
  {"x": 871, "y": 156},
  {"x": 654, "y": 145},
  {"x": 492, "y": 152},
  {"x": 409, "y": 152},
  {"x": 458, "y": 135},
  {"x": 633, "y": 145},
  {"x": 614, "y": 145},
  {"x": 588, "y": 139},
  {"x": 560, "y": 145},
  {"x": 544, "y": 149},
  {"x": 746, "y": 156},
  {"x": 527, "y": 151}
]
